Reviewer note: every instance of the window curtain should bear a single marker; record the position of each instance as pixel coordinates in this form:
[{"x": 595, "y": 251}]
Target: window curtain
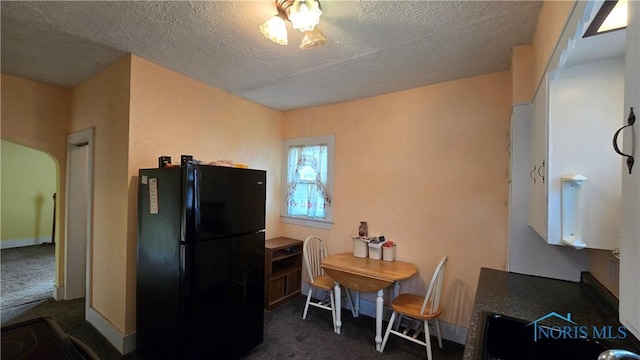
[{"x": 307, "y": 181}]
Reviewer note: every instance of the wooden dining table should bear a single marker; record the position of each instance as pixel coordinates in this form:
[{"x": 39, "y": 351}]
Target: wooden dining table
[{"x": 366, "y": 275}]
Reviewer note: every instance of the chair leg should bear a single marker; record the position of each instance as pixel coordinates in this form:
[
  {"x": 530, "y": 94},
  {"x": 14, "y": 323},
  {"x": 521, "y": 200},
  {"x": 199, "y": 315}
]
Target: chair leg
[
  {"x": 418, "y": 329},
  {"x": 398, "y": 321},
  {"x": 439, "y": 334},
  {"x": 427, "y": 339},
  {"x": 386, "y": 333},
  {"x": 306, "y": 305}
]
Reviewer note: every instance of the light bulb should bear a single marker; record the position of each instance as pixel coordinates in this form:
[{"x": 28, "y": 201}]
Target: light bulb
[
  {"x": 305, "y": 14},
  {"x": 275, "y": 30},
  {"x": 313, "y": 38}
]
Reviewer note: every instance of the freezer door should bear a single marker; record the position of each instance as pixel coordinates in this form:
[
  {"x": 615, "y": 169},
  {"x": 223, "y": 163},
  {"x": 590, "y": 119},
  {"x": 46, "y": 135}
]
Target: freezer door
[
  {"x": 225, "y": 313},
  {"x": 229, "y": 201}
]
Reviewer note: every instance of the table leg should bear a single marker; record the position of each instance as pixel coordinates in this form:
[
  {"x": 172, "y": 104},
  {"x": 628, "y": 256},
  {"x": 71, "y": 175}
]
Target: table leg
[
  {"x": 379, "y": 305},
  {"x": 338, "y": 300},
  {"x": 396, "y": 292},
  {"x": 396, "y": 289},
  {"x": 357, "y": 303}
]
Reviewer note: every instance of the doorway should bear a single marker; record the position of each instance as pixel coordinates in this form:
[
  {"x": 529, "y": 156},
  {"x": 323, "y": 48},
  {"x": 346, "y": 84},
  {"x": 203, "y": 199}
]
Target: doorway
[
  {"x": 29, "y": 180},
  {"x": 79, "y": 189}
]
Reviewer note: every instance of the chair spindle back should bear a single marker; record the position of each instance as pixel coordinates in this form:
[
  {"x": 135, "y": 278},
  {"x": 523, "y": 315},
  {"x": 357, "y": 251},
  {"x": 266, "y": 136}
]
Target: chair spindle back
[
  {"x": 314, "y": 250},
  {"x": 435, "y": 289}
]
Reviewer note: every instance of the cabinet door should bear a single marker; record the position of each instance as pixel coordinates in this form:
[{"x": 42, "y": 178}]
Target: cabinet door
[
  {"x": 537, "y": 217},
  {"x": 585, "y": 99},
  {"x": 630, "y": 242},
  {"x": 581, "y": 99}
]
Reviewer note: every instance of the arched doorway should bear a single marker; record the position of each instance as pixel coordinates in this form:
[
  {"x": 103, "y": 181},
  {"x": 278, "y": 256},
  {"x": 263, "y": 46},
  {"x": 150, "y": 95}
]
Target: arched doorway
[{"x": 29, "y": 181}]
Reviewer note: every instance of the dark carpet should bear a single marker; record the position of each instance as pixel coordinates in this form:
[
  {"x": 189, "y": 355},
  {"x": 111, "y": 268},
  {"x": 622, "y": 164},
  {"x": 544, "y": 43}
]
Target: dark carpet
[
  {"x": 286, "y": 335},
  {"x": 27, "y": 275}
]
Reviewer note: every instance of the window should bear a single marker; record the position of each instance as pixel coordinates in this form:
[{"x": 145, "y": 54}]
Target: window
[{"x": 308, "y": 181}]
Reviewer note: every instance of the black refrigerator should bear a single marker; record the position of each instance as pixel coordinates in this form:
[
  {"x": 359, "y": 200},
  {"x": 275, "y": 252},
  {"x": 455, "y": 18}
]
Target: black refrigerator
[{"x": 200, "y": 262}]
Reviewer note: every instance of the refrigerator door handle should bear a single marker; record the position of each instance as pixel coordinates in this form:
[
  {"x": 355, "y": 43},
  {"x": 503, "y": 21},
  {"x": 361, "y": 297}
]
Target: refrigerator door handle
[
  {"x": 188, "y": 228},
  {"x": 186, "y": 205},
  {"x": 196, "y": 201},
  {"x": 184, "y": 271}
]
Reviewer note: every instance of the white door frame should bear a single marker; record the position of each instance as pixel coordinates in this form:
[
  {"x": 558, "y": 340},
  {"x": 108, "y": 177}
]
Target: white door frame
[{"x": 81, "y": 138}]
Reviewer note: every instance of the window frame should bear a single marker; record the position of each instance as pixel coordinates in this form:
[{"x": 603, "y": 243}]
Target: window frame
[{"x": 327, "y": 222}]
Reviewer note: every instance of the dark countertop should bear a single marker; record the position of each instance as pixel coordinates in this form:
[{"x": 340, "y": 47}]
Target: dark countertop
[{"x": 530, "y": 297}]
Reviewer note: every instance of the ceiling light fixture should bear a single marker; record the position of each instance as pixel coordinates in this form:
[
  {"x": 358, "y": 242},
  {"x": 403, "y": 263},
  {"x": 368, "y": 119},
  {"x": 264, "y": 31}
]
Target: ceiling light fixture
[
  {"x": 304, "y": 15},
  {"x": 611, "y": 16}
]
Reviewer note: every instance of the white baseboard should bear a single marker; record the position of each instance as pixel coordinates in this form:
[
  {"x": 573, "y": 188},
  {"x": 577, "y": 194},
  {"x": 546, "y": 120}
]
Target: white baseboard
[
  {"x": 58, "y": 292},
  {"x": 123, "y": 343},
  {"x": 451, "y": 332},
  {"x": 14, "y": 243}
]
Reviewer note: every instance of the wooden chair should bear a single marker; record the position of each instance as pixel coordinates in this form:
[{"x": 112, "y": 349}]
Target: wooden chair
[
  {"x": 418, "y": 309},
  {"x": 314, "y": 250}
]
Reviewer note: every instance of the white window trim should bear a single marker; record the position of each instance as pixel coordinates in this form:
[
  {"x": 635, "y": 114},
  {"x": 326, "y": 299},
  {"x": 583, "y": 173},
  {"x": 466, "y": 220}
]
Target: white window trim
[{"x": 326, "y": 223}]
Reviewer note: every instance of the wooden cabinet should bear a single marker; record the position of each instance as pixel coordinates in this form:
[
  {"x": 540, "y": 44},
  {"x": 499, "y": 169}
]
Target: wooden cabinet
[{"x": 283, "y": 270}]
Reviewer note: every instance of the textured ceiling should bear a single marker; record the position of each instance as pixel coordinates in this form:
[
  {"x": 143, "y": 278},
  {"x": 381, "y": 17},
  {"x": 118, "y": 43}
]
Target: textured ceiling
[{"x": 375, "y": 47}]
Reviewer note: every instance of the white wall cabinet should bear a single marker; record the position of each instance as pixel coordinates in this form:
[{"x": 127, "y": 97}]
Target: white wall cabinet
[
  {"x": 575, "y": 113},
  {"x": 630, "y": 241},
  {"x": 527, "y": 253},
  {"x": 538, "y": 202},
  {"x": 585, "y": 108}
]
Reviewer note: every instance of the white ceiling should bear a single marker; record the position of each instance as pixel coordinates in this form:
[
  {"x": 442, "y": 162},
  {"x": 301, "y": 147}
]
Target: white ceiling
[{"x": 375, "y": 47}]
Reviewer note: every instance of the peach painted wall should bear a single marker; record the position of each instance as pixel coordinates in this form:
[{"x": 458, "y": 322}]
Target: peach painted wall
[
  {"x": 522, "y": 74},
  {"x": 102, "y": 102},
  {"x": 37, "y": 115},
  {"x": 428, "y": 168},
  {"x": 529, "y": 62},
  {"x": 172, "y": 114}
]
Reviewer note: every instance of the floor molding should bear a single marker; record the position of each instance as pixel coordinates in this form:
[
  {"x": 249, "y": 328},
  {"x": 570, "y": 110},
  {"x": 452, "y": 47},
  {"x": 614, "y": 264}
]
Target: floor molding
[
  {"x": 14, "y": 243},
  {"x": 58, "y": 293},
  {"x": 123, "y": 343}
]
